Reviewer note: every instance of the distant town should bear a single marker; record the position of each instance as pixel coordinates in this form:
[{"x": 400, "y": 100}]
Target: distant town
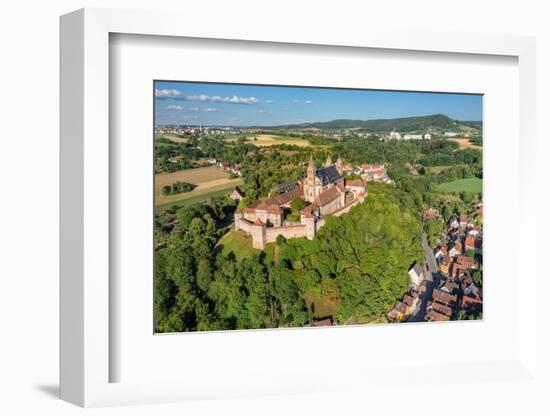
[{"x": 318, "y": 223}]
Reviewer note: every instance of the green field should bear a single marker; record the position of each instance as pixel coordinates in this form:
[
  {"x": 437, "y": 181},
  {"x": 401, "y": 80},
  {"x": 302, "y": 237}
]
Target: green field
[
  {"x": 238, "y": 242},
  {"x": 462, "y": 185},
  {"x": 439, "y": 169}
]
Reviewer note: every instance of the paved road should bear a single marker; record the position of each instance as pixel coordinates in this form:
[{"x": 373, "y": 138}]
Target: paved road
[
  {"x": 432, "y": 280},
  {"x": 429, "y": 255}
]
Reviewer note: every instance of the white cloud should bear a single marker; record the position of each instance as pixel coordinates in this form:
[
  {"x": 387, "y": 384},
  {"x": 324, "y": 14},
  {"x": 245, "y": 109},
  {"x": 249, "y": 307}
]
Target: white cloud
[
  {"x": 194, "y": 109},
  {"x": 174, "y": 107},
  {"x": 300, "y": 101},
  {"x": 269, "y": 101},
  {"x": 190, "y": 117},
  {"x": 295, "y": 101},
  {"x": 308, "y": 102},
  {"x": 166, "y": 93},
  {"x": 235, "y": 99},
  {"x": 259, "y": 111},
  {"x": 210, "y": 110}
]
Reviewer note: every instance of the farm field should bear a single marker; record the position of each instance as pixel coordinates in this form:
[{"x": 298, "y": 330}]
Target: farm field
[
  {"x": 238, "y": 242},
  {"x": 264, "y": 140},
  {"x": 465, "y": 144},
  {"x": 460, "y": 185},
  {"x": 211, "y": 181}
]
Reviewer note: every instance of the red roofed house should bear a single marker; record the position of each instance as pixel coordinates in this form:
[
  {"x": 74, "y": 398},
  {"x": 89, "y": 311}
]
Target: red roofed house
[
  {"x": 439, "y": 307},
  {"x": 471, "y": 303},
  {"x": 356, "y": 186},
  {"x": 444, "y": 298},
  {"x": 469, "y": 243},
  {"x": 432, "y": 316},
  {"x": 478, "y": 242}
]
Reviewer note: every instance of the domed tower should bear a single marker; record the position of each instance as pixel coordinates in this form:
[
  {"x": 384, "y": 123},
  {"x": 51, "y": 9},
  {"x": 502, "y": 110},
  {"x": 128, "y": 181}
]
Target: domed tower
[{"x": 339, "y": 166}]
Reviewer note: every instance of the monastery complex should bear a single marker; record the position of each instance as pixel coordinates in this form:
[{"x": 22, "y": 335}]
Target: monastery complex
[{"x": 325, "y": 192}]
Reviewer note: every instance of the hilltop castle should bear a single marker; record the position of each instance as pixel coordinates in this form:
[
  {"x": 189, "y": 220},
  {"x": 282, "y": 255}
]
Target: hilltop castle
[{"x": 325, "y": 191}]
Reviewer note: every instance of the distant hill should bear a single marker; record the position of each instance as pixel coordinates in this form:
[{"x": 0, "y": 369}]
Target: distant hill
[
  {"x": 475, "y": 124},
  {"x": 402, "y": 124}
]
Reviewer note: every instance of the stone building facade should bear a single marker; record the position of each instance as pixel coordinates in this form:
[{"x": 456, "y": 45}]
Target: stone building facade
[{"x": 326, "y": 193}]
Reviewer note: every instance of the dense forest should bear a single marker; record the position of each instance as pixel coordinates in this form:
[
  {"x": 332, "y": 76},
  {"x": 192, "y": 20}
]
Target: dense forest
[
  {"x": 354, "y": 268},
  {"x": 357, "y": 262},
  {"x": 403, "y": 124}
]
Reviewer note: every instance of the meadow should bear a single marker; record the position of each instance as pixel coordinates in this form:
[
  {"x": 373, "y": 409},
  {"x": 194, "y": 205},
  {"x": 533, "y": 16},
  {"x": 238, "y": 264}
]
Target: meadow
[
  {"x": 462, "y": 185},
  {"x": 211, "y": 181},
  {"x": 238, "y": 243}
]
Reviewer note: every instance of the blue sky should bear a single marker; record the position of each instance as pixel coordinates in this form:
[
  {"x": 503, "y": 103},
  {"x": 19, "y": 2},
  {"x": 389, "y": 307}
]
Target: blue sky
[{"x": 256, "y": 105}]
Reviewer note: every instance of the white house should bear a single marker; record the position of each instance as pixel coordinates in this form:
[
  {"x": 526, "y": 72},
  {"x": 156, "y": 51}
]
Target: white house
[
  {"x": 395, "y": 135},
  {"x": 412, "y": 137},
  {"x": 417, "y": 274},
  {"x": 427, "y": 136}
]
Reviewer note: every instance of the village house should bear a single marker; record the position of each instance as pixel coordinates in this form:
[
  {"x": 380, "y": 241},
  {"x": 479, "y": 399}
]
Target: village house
[
  {"x": 440, "y": 252},
  {"x": 445, "y": 264},
  {"x": 398, "y": 312},
  {"x": 444, "y": 297},
  {"x": 412, "y": 137},
  {"x": 236, "y": 195},
  {"x": 475, "y": 231},
  {"x": 453, "y": 223},
  {"x": 440, "y": 308},
  {"x": 469, "y": 243},
  {"x": 434, "y": 316},
  {"x": 394, "y": 135},
  {"x": 416, "y": 274}
]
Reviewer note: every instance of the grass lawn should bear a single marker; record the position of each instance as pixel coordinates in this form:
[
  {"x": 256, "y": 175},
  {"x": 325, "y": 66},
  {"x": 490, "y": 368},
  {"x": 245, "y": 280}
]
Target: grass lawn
[
  {"x": 466, "y": 185},
  {"x": 210, "y": 181},
  {"x": 238, "y": 242},
  {"x": 323, "y": 306}
]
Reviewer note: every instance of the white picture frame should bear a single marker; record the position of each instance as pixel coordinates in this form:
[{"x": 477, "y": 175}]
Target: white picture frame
[{"x": 85, "y": 214}]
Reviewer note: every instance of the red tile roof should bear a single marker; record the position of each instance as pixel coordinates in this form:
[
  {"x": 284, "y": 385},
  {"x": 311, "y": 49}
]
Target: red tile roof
[
  {"x": 327, "y": 196},
  {"x": 443, "y": 297},
  {"x": 354, "y": 182},
  {"x": 436, "y": 316},
  {"x": 439, "y": 307}
]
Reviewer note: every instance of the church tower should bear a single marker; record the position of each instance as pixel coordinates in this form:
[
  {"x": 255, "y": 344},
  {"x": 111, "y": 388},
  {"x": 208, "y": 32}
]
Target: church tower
[
  {"x": 339, "y": 166},
  {"x": 309, "y": 187},
  {"x": 328, "y": 162}
]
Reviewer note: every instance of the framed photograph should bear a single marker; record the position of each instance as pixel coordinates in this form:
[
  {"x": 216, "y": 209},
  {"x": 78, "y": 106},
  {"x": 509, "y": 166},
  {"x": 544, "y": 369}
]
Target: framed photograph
[{"x": 248, "y": 216}]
